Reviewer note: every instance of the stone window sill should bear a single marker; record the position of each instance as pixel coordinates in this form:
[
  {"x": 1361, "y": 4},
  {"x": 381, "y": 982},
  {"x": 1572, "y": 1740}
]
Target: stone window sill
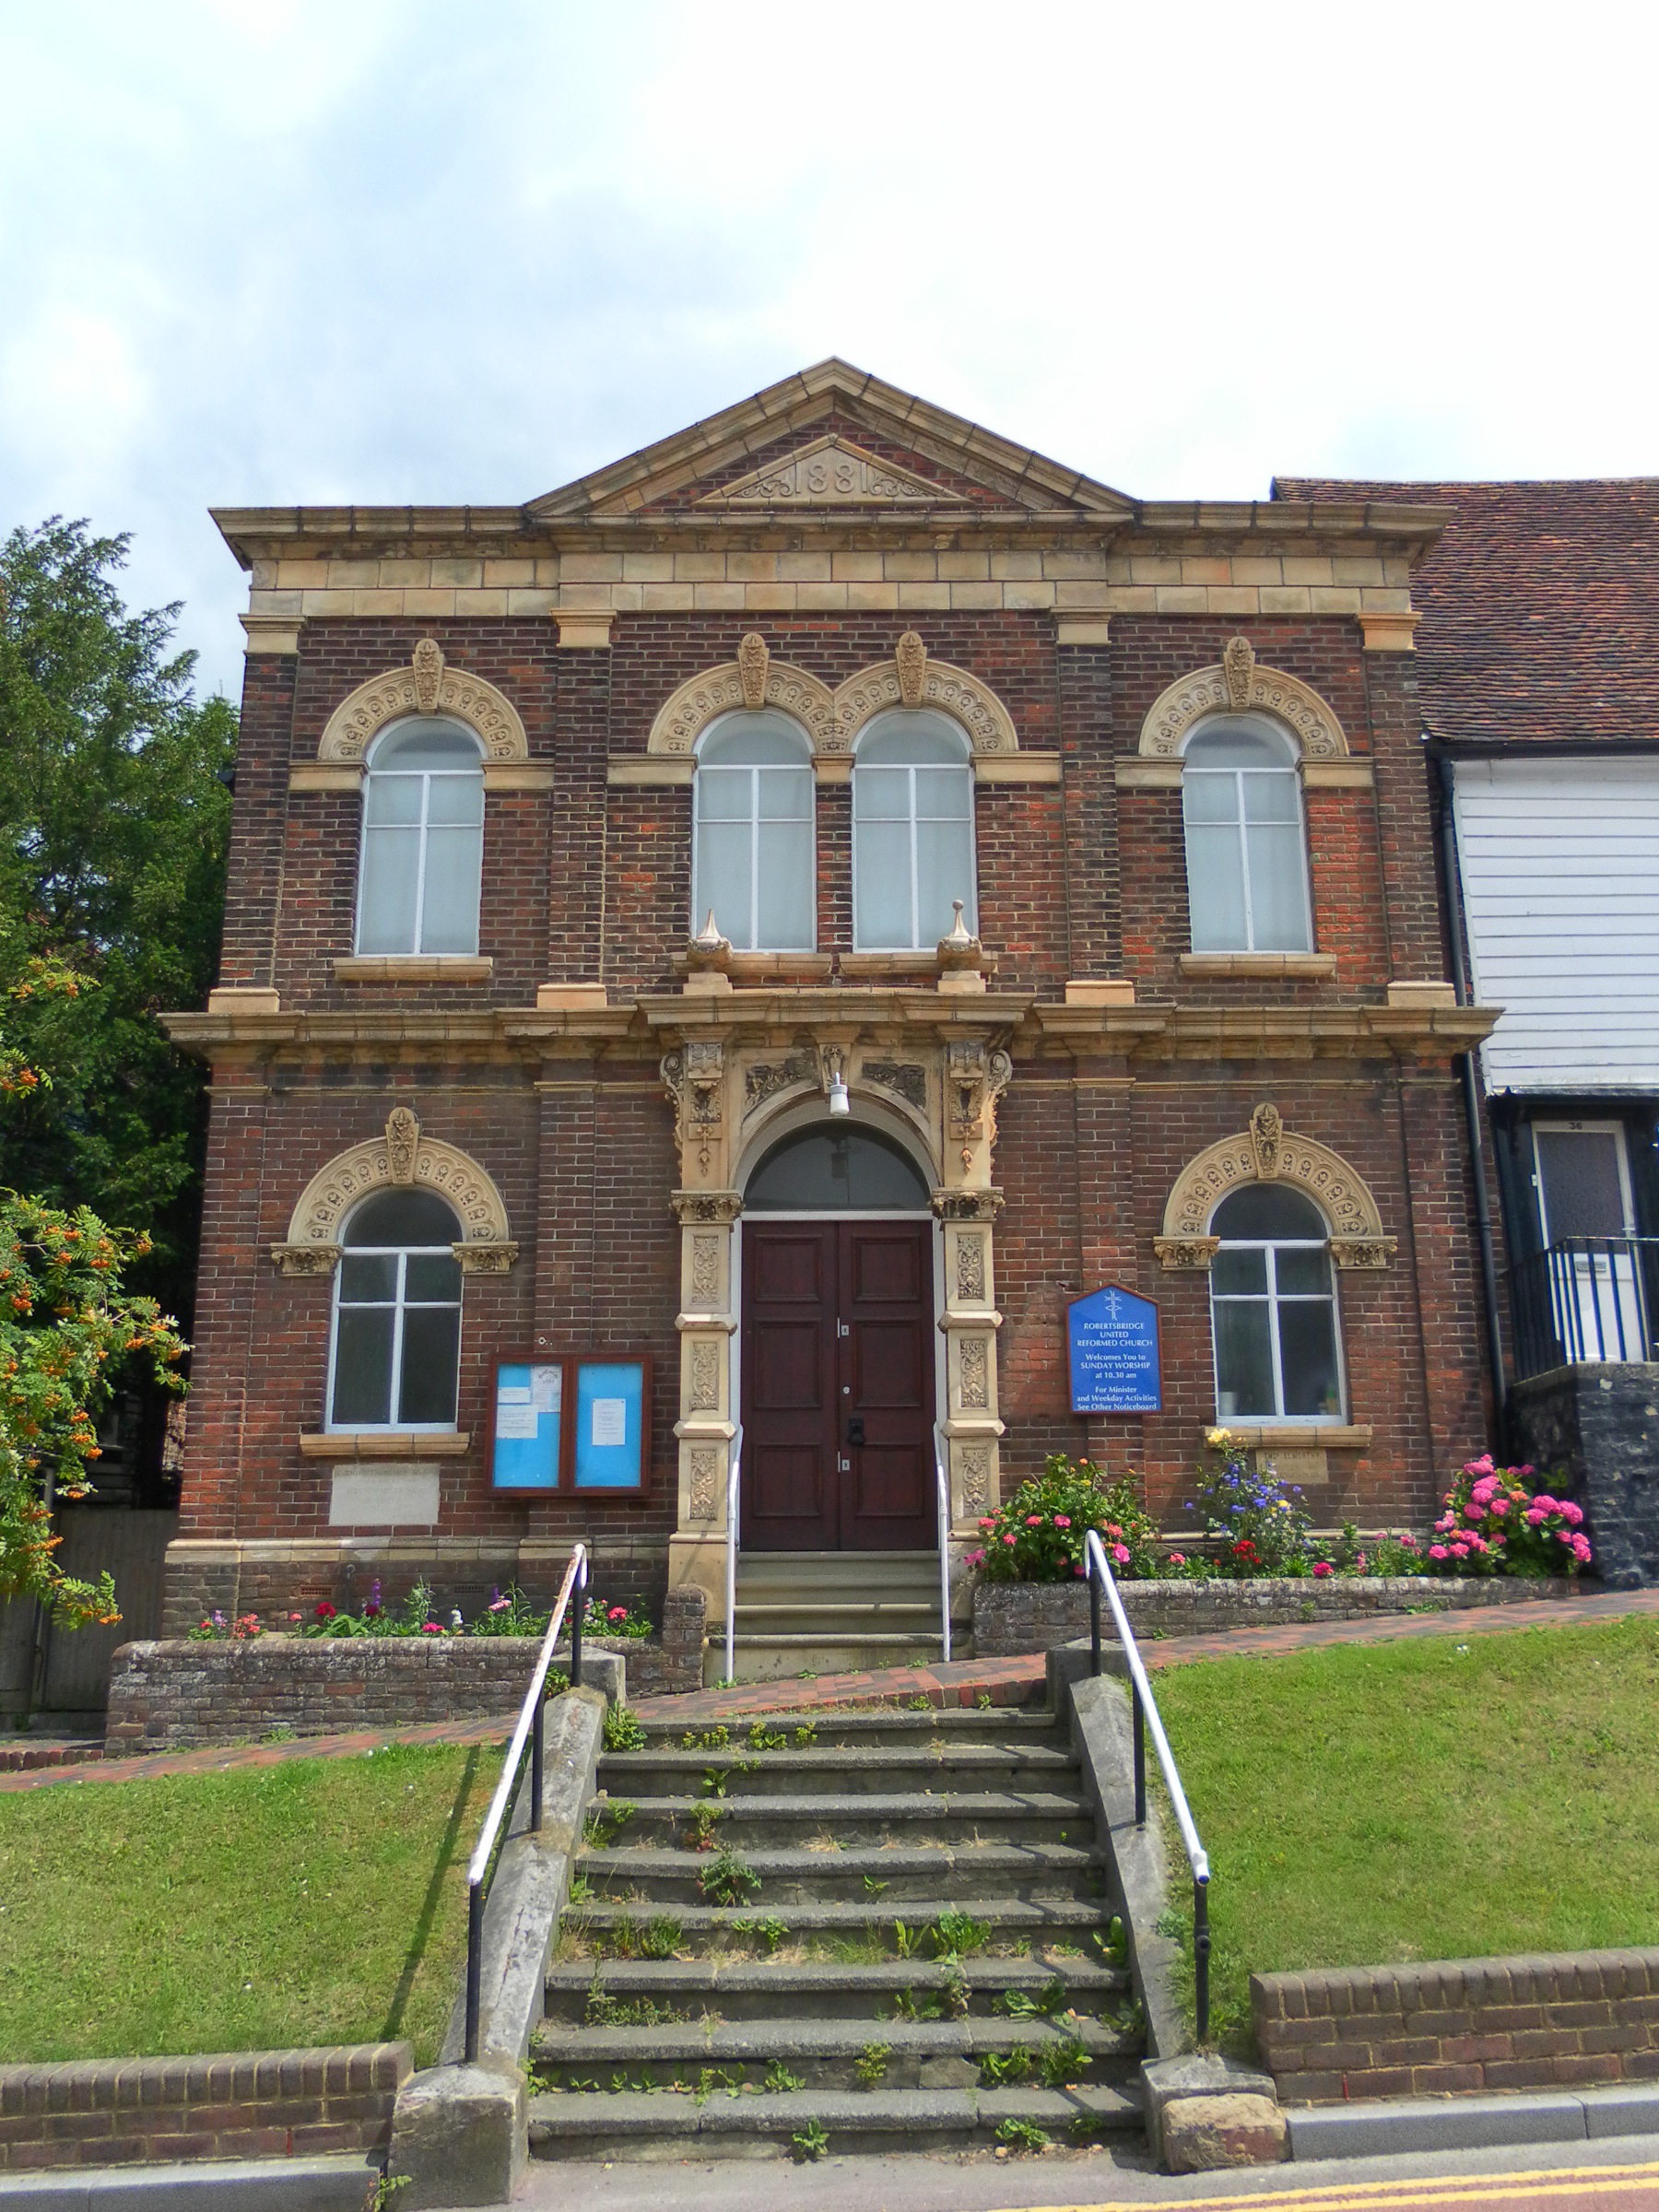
[
  {"x": 384, "y": 1444},
  {"x": 415, "y": 967},
  {"x": 1259, "y": 963},
  {"x": 763, "y": 966},
  {"x": 889, "y": 963},
  {"x": 1289, "y": 1436}
]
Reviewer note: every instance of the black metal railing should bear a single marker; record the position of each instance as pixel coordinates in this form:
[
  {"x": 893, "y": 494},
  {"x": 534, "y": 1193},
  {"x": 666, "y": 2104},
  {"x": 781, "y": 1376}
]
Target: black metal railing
[
  {"x": 530, "y": 1730},
  {"x": 1582, "y": 1300},
  {"x": 1101, "y": 1584}
]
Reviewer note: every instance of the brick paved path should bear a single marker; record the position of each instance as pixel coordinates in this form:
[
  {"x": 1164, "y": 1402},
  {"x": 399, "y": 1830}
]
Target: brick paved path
[{"x": 1017, "y": 1682}]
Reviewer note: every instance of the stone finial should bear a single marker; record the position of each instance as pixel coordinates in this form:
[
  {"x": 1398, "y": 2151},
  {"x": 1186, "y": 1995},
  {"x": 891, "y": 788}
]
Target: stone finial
[
  {"x": 1237, "y": 665},
  {"x": 428, "y": 674},
  {"x": 752, "y": 660},
  {"x": 910, "y": 657},
  {"x": 960, "y": 961},
  {"x": 403, "y": 1142},
  {"x": 1266, "y": 1129}
]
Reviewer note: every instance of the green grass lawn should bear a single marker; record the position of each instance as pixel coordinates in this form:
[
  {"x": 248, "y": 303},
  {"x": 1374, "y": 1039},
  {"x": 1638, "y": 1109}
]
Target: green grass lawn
[
  {"x": 315, "y": 1902},
  {"x": 1435, "y": 1799}
]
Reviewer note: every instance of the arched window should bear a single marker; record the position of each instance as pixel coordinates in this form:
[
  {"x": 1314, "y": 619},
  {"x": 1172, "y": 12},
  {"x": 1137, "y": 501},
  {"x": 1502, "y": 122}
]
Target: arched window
[
  {"x": 913, "y": 832},
  {"x": 423, "y": 840},
  {"x": 753, "y": 863},
  {"x": 1247, "y": 869},
  {"x": 1274, "y": 1309},
  {"x": 820, "y": 1170},
  {"x": 397, "y": 1315}
]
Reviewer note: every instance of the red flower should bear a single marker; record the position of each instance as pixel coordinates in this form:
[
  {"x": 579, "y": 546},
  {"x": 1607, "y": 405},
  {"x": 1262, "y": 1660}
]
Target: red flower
[{"x": 324, "y": 1610}]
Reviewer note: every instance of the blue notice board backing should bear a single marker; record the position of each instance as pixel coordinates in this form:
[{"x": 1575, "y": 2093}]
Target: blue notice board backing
[
  {"x": 1111, "y": 1336},
  {"x": 565, "y": 1423}
]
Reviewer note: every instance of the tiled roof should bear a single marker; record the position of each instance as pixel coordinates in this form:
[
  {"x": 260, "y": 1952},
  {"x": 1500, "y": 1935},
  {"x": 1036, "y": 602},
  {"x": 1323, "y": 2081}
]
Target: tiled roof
[{"x": 1540, "y": 606}]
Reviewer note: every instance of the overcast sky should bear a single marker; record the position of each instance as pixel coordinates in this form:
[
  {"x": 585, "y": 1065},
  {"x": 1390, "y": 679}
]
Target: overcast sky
[{"x": 390, "y": 250}]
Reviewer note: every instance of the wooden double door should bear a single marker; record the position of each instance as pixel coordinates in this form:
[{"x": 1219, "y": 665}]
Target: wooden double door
[{"x": 838, "y": 1386}]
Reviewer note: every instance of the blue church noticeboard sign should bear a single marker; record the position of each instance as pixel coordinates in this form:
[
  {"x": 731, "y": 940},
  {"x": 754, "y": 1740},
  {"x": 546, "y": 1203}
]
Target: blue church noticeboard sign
[{"x": 1111, "y": 1336}]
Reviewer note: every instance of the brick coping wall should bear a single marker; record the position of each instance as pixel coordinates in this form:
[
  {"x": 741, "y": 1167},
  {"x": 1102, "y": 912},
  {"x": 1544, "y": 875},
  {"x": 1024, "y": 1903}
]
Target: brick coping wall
[
  {"x": 1461, "y": 2026},
  {"x": 240, "y": 2104},
  {"x": 171, "y": 1695},
  {"x": 1010, "y": 1617}
]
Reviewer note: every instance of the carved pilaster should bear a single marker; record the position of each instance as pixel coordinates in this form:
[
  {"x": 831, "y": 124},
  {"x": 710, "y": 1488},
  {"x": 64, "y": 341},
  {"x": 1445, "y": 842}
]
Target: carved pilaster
[
  {"x": 1178, "y": 1254},
  {"x": 305, "y": 1259}
]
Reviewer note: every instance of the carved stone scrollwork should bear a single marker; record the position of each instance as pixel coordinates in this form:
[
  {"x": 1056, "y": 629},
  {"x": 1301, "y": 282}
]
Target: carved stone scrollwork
[
  {"x": 910, "y": 658},
  {"x": 1237, "y": 665},
  {"x": 975, "y": 1371},
  {"x": 705, "y": 1269},
  {"x": 705, "y": 1484},
  {"x": 427, "y": 684},
  {"x": 1266, "y": 1129},
  {"x": 1238, "y": 685},
  {"x": 705, "y": 1377},
  {"x": 906, "y": 1078},
  {"x": 975, "y": 1077},
  {"x": 402, "y": 1154},
  {"x": 722, "y": 1207},
  {"x": 306, "y": 1259},
  {"x": 752, "y": 662},
  {"x": 1363, "y": 1251},
  {"x": 970, "y": 1269},
  {"x": 428, "y": 674},
  {"x": 763, "y": 1078},
  {"x": 976, "y": 1483},
  {"x": 403, "y": 1143},
  {"x": 485, "y": 1259},
  {"x": 967, "y": 1206},
  {"x": 695, "y": 1077},
  {"x": 1178, "y": 1254},
  {"x": 1268, "y": 1151}
]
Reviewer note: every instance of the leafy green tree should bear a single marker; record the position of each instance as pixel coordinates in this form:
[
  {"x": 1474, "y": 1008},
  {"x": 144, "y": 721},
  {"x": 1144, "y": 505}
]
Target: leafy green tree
[{"x": 112, "y": 860}]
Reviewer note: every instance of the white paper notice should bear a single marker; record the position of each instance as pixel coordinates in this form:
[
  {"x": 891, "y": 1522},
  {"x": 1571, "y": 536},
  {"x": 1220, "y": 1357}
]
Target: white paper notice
[
  {"x": 515, "y": 1421},
  {"x": 610, "y": 1420},
  {"x": 544, "y": 1388},
  {"x": 512, "y": 1394}
]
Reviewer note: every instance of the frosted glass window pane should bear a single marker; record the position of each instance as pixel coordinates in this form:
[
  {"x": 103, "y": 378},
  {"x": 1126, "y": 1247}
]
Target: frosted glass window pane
[
  {"x": 750, "y": 739},
  {"x": 726, "y": 796},
  {"x": 722, "y": 879},
  {"x": 451, "y": 921},
  {"x": 393, "y": 799},
  {"x": 1307, "y": 1354},
  {"x": 1239, "y": 742},
  {"x": 1242, "y": 1272},
  {"x": 787, "y": 890},
  {"x": 401, "y": 1218},
  {"x": 426, "y": 744},
  {"x": 432, "y": 1344},
  {"x": 1243, "y": 1361},
  {"x": 945, "y": 866},
  {"x": 882, "y": 793},
  {"x": 913, "y": 735},
  {"x": 943, "y": 792},
  {"x": 1269, "y": 798},
  {"x": 362, "y": 1391},
  {"x": 456, "y": 799},
  {"x": 391, "y": 874},
  {"x": 787, "y": 796},
  {"x": 1279, "y": 906},
  {"x": 1214, "y": 889},
  {"x": 882, "y": 922},
  {"x": 1210, "y": 798},
  {"x": 362, "y": 1281},
  {"x": 432, "y": 1279},
  {"x": 1304, "y": 1274}
]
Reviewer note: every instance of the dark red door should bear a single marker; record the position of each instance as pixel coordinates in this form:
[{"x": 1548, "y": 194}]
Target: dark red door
[{"x": 838, "y": 1386}]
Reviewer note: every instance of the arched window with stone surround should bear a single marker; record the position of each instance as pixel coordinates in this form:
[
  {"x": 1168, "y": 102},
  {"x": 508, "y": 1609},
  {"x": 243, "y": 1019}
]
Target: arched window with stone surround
[
  {"x": 912, "y": 831},
  {"x": 1246, "y": 849},
  {"x": 395, "y": 1349},
  {"x": 1273, "y": 1307},
  {"x": 753, "y": 851},
  {"x": 423, "y": 840}
]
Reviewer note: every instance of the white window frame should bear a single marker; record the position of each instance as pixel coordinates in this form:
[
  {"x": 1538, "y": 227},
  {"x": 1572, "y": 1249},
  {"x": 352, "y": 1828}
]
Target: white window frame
[
  {"x": 971, "y": 911},
  {"x": 1291, "y": 769},
  {"x": 366, "y": 830},
  {"x": 1272, "y": 1299},
  {"x": 703, "y": 899},
  {"x": 399, "y": 1302}
]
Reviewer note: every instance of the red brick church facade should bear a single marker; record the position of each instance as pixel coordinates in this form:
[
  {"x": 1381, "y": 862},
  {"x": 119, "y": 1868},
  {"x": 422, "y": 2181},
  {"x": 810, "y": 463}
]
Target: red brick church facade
[{"x": 909, "y": 661}]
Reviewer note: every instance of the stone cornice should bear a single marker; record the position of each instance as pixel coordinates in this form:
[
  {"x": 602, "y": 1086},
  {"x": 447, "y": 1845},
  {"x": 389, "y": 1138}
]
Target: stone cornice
[{"x": 1272, "y": 1032}]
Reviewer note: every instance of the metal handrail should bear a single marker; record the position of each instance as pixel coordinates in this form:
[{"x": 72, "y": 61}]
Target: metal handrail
[
  {"x": 531, "y": 1726},
  {"x": 734, "y": 1500},
  {"x": 1584, "y": 1300},
  {"x": 943, "y": 1521},
  {"x": 1145, "y": 1716}
]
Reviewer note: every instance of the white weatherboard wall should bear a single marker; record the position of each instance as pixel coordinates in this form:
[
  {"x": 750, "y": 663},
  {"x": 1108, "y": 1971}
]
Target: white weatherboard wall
[{"x": 1560, "y": 860}]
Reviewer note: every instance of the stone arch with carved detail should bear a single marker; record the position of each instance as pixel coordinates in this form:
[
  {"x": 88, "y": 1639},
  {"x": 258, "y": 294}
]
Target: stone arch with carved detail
[
  {"x": 402, "y": 1157},
  {"x": 832, "y": 719},
  {"x": 426, "y": 686},
  {"x": 1239, "y": 684},
  {"x": 1268, "y": 1152}
]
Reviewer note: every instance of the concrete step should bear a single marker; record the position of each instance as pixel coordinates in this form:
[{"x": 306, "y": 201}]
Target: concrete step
[
  {"x": 841, "y": 1770},
  {"x": 808, "y": 1729},
  {"x": 815, "y": 1616},
  {"x": 891, "y": 1874},
  {"x": 777, "y": 1657},
  {"x": 672, "y": 1991},
  {"x": 898, "y": 1927},
  {"x": 837, "y": 2054},
  {"x": 721, "y": 2124},
  {"x": 824, "y": 1569},
  {"x": 869, "y": 1818}
]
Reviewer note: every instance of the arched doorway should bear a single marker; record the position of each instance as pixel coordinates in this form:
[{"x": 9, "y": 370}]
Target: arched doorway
[{"x": 838, "y": 1346}]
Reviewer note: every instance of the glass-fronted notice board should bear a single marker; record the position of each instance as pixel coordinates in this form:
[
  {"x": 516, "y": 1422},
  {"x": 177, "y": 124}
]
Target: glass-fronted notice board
[{"x": 569, "y": 1424}]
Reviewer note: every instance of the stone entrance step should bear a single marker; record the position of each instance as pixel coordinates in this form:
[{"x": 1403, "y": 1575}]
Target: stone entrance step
[{"x": 821, "y": 1612}]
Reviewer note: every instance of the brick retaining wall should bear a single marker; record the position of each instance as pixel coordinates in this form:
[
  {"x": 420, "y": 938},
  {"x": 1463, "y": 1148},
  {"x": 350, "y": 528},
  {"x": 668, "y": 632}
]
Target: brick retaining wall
[
  {"x": 1535, "y": 2022},
  {"x": 247, "y": 2104},
  {"x": 165, "y": 1696},
  {"x": 1009, "y": 1618}
]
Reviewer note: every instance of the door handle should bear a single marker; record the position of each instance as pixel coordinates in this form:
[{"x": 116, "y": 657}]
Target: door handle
[{"x": 855, "y": 1434}]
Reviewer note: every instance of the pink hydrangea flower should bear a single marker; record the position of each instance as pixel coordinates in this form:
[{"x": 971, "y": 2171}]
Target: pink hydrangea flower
[
  {"x": 1536, "y": 1516},
  {"x": 1321, "y": 1568},
  {"x": 1033, "y": 1519},
  {"x": 1573, "y": 1514},
  {"x": 1120, "y": 1552},
  {"x": 1178, "y": 1559},
  {"x": 1008, "y": 1539},
  {"x": 1581, "y": 1550},
  {"x": 1062, "y": 1520},
  {"x": 1437, "y": 1551}
]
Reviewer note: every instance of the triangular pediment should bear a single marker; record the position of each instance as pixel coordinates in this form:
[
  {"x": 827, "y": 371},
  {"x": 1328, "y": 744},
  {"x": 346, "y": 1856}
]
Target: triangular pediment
[
  {"x": 832, "y": 472},
  {"x": 834, "y": 437}
]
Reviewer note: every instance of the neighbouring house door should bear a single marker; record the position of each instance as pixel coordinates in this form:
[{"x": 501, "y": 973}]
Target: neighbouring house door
[
  {"x": 838, "y": 1386},
  {"x": 1586, "y": 1212}
]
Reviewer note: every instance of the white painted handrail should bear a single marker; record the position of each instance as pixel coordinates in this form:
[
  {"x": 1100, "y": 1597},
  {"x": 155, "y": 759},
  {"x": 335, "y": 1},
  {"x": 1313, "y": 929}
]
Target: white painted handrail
[
  {"x": 944, "y": 1521},
  {"x": 734, "y": 1500}
]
